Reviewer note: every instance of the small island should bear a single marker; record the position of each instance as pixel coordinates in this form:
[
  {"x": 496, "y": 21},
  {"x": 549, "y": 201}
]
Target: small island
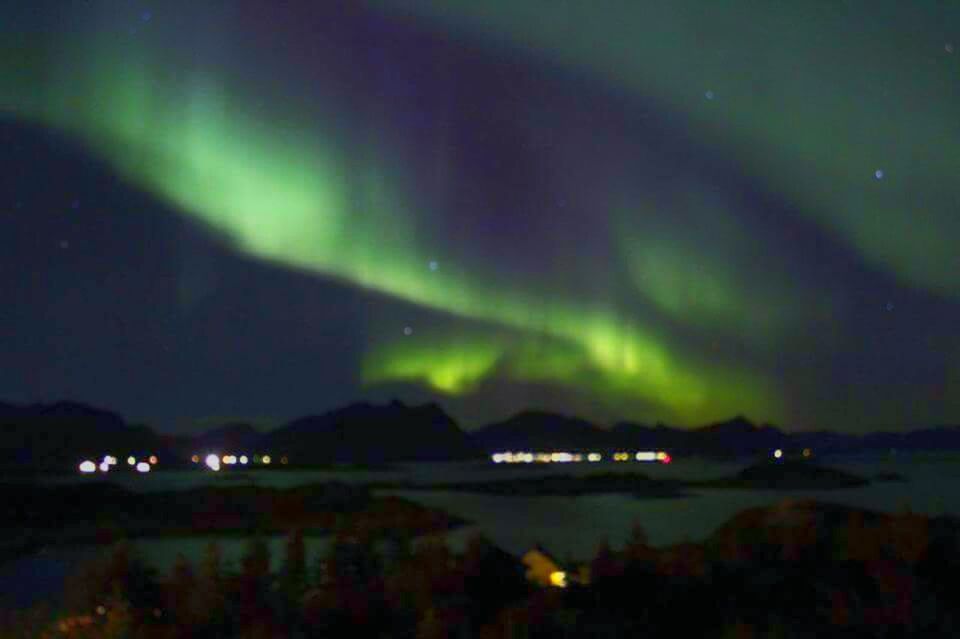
[
  {"x": 889, "y": 477},
  {"x": 786, "y": 475},
  {"x": 782, "y": 476}
]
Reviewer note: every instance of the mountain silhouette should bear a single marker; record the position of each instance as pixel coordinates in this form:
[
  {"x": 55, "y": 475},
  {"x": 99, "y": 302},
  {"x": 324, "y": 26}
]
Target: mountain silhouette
[
  {"x": 61, "y": 435},
  {"x": 542, "y": 431},
  {"x": 368, "y": 433},
  {"x": 236, "y": 438},
  {"x": 57, "y": 436}
]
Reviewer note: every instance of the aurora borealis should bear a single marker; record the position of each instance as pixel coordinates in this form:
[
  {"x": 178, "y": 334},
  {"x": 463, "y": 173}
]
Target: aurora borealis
[{"x": 670, "y": 211}]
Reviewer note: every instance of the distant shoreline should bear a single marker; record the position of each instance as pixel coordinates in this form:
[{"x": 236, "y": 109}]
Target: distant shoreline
[{"x": 781, "y": 476}]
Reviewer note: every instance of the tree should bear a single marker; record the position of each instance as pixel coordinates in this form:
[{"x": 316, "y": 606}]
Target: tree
[
  {"x": 255, "y": 563},
  {"x": 119, "y": 622},
  {"x": 295, "y": 563},
  {"x": 254, "y": 584},
  {"x": 473, "y": 554},
  {"x": 604, "y": 563},
  {"x": 638, "y": 545},
  {"x": 433, "y": 555},
  {"x": 212, "y": 565},
  {"x": 431, "y": 626},
  {"x": 181, "y": 591},
  {"x": 909, "y": 536},
  {"x": 398, "y": 547},
  {"x": 119, "y": 574},
  {"x": 293, "y": 580},
  {"x": 210, "y": 598},
  {"x": 638, "y": 536}
]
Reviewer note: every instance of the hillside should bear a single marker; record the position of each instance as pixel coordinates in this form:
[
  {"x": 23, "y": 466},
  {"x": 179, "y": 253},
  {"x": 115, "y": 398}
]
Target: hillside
[{"x": 368, "y": 433}]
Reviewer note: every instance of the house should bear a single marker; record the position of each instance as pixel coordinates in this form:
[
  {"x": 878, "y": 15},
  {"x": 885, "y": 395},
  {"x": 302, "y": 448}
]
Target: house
[{"x": 543, "y": 569}]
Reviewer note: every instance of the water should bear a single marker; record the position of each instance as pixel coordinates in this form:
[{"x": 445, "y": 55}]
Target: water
[
  {"x": 570, "y": 527},
  {"x": 420, "y": 473},
  {"x": 188, "y": 479}
]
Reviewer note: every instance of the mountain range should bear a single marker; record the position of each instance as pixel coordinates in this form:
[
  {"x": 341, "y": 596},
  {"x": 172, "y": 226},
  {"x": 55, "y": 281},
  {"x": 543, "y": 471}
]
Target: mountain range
[
  {"x": 52, "y": 436},
  {"x": 58, "y": 435}
]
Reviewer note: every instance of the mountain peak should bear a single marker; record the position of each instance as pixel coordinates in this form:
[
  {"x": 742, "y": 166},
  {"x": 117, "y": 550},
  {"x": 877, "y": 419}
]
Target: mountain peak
[
  {"x": 736, "y": 424},
  {"x": 366, "y": 432},
  {"x": 542, "y": 430}
]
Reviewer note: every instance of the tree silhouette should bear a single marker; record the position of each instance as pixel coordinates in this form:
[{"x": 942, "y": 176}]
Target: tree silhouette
[
  {"x": 295, "y": 564},
  {"x": 637, "y": 548},
  {"x": 211, "y": 597},
  {"x": 253, "y": 584},
  {"x": 180, "y": 598}
]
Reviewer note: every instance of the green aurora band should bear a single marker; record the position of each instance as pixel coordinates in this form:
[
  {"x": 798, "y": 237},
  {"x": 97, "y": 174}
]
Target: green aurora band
[
  {"x": 283, "y": 185},
  {"x": 672, "y": 267},
  {"x": 835, "y": 92}
]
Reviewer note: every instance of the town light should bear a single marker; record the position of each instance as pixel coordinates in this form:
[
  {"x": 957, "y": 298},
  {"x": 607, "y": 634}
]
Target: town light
[
  {"x": 213, "y": 462},
  {"x": 778, "y": 453},
  {"x": 88, "y": 466},
  {"x": 558, "y": 578},
  {"x": 143, "y": 467}
]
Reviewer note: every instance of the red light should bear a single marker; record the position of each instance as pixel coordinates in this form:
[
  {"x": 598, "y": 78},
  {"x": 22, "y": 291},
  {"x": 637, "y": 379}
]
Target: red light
[{"x": 667, "y": 459}]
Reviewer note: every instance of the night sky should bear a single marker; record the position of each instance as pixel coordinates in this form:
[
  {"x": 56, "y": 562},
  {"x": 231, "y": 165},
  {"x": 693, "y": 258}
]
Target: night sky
[{"x": 667, "y": 211}]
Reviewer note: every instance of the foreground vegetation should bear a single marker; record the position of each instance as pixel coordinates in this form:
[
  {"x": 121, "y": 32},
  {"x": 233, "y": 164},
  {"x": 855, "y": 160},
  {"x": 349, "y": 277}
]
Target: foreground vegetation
[{"x": 799, "y": 569}]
